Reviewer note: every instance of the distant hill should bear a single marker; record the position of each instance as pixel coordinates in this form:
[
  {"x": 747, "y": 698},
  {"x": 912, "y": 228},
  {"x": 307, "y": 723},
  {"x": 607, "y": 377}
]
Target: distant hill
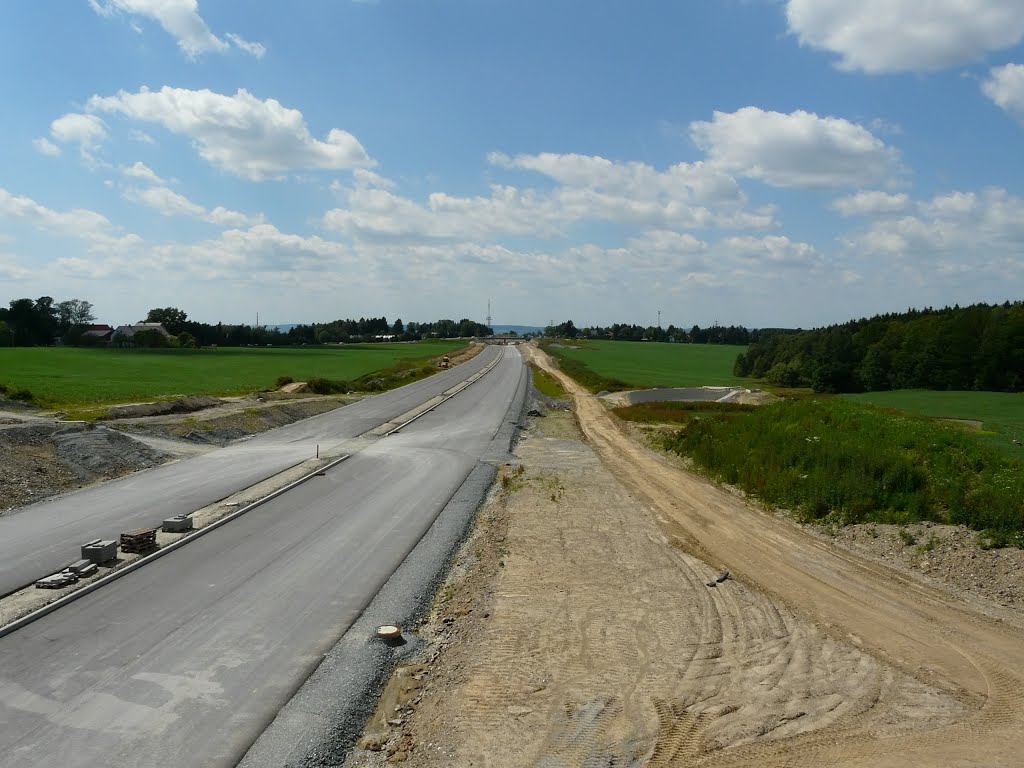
[{"x": 520, "y": 329}]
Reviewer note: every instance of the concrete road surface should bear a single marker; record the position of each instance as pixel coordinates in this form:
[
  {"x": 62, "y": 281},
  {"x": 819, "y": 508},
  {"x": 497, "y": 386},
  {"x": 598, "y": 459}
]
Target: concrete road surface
[
  {"x": 36, "y": 540},
  {"x": 185, "y": 661}
]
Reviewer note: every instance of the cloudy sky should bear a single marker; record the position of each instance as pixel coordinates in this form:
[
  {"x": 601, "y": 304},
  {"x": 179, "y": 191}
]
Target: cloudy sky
[{"x": 764, "y": 162}]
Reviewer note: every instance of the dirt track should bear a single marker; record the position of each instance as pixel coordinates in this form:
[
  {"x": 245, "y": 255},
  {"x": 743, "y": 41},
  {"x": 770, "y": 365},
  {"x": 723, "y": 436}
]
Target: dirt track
[
  {"x": 920, "y": 631},
  {"x": 577, "y": 629}
]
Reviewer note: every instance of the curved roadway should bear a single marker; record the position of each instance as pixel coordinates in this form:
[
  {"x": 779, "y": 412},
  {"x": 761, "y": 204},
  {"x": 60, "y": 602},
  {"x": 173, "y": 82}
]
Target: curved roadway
[
  {"x": 38, "y": 539},
  {"x": 185, "y": 661}
]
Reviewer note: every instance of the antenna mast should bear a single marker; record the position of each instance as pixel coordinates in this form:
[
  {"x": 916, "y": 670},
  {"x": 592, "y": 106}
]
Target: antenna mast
[{"x": 488, "y": 313}]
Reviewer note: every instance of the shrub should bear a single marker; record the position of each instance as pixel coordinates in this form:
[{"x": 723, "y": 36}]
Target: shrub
[
  {"x": 283, "y": 381},
  {"x": 329, "y": 386},
  {"x": 22, "y": 394}
]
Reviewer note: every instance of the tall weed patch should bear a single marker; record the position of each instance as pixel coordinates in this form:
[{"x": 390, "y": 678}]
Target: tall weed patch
[{"x": 831, "y": 458}]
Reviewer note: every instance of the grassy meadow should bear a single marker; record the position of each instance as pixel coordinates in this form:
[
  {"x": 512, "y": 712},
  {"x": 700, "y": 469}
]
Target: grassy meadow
[
  {"x": 618, "y": 365},
  {"x": 1000, "y": 414},
  {"x": 64, "y": 376}
]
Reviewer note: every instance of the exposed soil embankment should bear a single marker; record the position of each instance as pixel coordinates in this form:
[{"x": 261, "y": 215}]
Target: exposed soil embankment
[
  {"x": 164, "y": 408},
  {"x": 42, "y": 459},
  {"x": 224, "y": 425}
]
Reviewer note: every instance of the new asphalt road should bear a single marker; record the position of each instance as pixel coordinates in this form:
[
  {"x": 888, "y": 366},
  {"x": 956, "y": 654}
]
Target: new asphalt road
[
  {"x": 41, "y": 538},
  {"x": 185, "y": 661}
]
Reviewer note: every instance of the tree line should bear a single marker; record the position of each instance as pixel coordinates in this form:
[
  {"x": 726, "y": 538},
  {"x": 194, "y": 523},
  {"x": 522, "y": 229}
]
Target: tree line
[
  {"x": 44, "y": 322},
  {"x": 979, "y": 347},
  {"x": 39, "y": 322},
  {"x": 715, "y": 334}
]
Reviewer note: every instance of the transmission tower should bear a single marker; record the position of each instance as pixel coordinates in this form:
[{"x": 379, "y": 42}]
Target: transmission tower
[{"x": 488, "y": 313}]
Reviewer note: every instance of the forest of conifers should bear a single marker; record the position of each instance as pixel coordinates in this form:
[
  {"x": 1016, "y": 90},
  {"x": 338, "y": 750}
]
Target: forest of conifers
[{"x": 959, "y": 348}]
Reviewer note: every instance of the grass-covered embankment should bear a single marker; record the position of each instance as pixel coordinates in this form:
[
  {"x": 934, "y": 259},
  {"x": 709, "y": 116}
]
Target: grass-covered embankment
[
  {"x": 832, "y": 459},
  {"x": 546, "y": 384}
]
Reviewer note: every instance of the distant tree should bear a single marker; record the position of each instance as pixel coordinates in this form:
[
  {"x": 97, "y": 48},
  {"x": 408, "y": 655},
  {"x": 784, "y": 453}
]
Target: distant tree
[
  {"x": 186, "y": 340},
  {"x": 73, "y": 313},
  {"x": 171, "y": 318},
  {"x": 46, "y": 320},
  {"x": 566, "y": 330},
  {"x": 398, "y": 328},
  {"x": 23, "y": 321},
  {"x": 150, "y": 339},
  {"x": 6, "y": 334}
]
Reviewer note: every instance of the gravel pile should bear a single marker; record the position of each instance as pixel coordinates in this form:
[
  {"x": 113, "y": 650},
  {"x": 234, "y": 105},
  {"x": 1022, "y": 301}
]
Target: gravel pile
[
  {"x": 102, "y": 452},
  {"x": 40, "y": 460}
]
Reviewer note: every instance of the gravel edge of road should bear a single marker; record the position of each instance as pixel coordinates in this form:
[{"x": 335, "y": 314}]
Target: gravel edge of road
[{"x": 325, "y": 717}]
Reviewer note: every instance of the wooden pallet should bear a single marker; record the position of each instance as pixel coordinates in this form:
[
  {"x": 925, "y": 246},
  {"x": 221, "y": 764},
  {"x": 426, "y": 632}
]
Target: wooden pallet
[{"x": 138, "y": 541}]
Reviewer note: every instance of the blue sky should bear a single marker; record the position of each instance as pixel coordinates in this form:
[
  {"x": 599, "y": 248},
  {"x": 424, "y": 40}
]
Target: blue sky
[{"x": 760, "y": 162}]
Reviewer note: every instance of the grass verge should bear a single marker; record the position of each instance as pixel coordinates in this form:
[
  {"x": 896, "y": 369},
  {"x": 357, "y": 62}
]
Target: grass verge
[
  {"x": 547, "y": 384},
  {"x": 836, "y": 460}
]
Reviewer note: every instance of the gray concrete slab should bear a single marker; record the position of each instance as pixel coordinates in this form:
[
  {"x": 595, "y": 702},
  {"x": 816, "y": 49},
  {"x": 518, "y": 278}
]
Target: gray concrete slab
[{"x": 678, "y": 394}]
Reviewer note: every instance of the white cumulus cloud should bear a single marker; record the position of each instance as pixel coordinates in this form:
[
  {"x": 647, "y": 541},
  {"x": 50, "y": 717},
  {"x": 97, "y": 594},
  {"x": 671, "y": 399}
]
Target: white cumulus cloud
[
  {"x": 11, "y": 268},
  {"x": 46, "y": 147},
  {"x": 87, "y": 131},
  {"x": 685, "y": 195},
  {"x": 960, "y": 232},
  {"x": 799, "y": 149},
  {"x": 181, "y": 20},
  {"x": 871, "y": 203},
  {"x": 93, "y": 227},
  {"x": 141, "y": 171},
  {"x": 254, "y": 49},
  {"x": 878, "y": 36},
  {"x": 773, "y": 250},
  {"x": 241, "y": 134},
  {"x": 170, "y": 203},
  {"x": 1005, "y": 86}
]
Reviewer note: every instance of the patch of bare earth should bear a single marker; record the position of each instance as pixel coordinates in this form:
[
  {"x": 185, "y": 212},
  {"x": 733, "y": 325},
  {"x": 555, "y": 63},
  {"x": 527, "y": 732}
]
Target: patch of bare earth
[
  {"x": 235, "y": 419},
  {"x": 574, "y": 632},
  {"x": 39, "y": 459}
]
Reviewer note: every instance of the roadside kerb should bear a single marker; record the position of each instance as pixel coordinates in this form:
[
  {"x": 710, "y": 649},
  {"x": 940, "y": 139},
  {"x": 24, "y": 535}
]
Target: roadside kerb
[
  {"x": 136, "y": 564},
  {"x": 449, "y": 394}
]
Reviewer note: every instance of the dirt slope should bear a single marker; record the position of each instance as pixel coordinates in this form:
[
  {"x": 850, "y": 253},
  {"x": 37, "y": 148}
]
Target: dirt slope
[{"x": 921, "y": 631}]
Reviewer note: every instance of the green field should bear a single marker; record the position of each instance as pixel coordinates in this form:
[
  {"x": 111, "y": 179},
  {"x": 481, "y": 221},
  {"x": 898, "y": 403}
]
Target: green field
[
  {"x": 63, "y": 376},
  {"x": 641, "y": 365},
  {"x": 1001, "y": 413}
]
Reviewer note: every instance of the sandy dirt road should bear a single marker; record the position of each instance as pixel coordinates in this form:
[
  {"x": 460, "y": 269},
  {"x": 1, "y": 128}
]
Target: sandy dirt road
[{"x": 918, "y": 632}]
